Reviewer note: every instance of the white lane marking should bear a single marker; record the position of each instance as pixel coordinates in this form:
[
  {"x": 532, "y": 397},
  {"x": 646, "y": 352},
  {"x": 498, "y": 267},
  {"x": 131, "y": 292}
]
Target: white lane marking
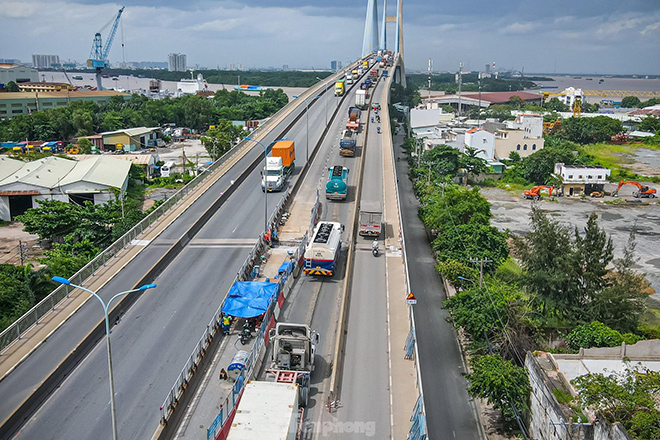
[{"x": 234, "y": 230}]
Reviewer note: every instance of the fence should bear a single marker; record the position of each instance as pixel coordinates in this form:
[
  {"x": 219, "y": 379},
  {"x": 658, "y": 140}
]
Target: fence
[{"x": 50, "y": 302}]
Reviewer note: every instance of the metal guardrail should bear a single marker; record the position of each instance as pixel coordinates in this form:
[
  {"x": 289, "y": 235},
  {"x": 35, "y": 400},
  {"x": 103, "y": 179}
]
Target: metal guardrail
[
  {"x": 190, "y": 366},
  {"x": 418, "y": 429},
  {"x": 14, "y": 331}
]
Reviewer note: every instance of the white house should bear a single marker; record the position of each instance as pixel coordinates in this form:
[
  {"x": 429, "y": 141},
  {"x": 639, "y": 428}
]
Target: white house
[
  {"x": 481, "y": 140},
  {"x": 577, "y": 180},
  {"x": 530, "y": 124}
]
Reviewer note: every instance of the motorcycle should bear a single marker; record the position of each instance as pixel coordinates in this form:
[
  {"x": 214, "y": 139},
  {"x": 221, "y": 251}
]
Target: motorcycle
[
  {"x": 378, "y": 119},
  {"x": 374, "y": 248},
  {"x": 246, "y": 334},
  {"x": 378, "y": 129}
]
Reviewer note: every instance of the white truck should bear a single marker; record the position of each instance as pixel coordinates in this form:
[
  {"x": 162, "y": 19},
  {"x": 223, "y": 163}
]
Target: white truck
[
  {"x": 371, "y": 218},
  {"x": 279, "y": 166},
  {"x": 349, "y": 78},
  {"x": 267, "y": 411},
  {"x": 361, "y": 98},
  {"x": 292, "y": 357}
]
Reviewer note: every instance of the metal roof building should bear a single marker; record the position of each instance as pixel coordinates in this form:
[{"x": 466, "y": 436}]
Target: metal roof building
[{"x": 54, "y": 178}]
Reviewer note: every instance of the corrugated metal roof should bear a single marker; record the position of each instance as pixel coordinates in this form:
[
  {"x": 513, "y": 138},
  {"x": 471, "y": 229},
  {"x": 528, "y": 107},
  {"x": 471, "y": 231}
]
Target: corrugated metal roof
[
  {"x": 137, "y": 131},
  {"x": 101, "y": 170},
  {"x": 9, "y": 166},
  {"x": 137, "y": 159},
  {"x": 45, "y": 173}
]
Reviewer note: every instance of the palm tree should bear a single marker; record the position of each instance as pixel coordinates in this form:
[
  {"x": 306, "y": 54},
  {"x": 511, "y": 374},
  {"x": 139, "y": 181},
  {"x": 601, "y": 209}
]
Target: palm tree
[{"x": 37, "y": 283}]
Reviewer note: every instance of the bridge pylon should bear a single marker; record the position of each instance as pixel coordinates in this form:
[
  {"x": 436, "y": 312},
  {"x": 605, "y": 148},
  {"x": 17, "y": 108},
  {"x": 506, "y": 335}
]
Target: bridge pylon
[{"x": 370, "y": 41}]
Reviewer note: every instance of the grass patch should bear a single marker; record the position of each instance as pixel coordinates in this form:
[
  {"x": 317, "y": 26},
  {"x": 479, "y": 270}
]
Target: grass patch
[
  {"x": 562, "y": 396},
  {"x": 616, "y": 157},
  {"x": 510, "y": 187}
]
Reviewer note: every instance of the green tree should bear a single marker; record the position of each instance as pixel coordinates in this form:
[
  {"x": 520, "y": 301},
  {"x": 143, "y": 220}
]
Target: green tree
[
  {"x": 650, "y": 123},
  {"x": 590, "y": 130},
  {"x": 546, "y": 256},
  {"x": 14, "y": 297},
  {"x": 502, "y": 383},
  {"x": 555, "y": 105},
  {"x": 51, "y": 219},
  {"x": 112, "y": 121},
  {"x": 65, "y": 259},
  {"x": 472, "y": 163},
  {"x": 85, "y": 145},
  {"x": 222, "y": 138},
  {"x": 626, "y": 397},
  {"x": 623, "y": 302},
  {"x": 631, "y": 102},
  {"x": 595, "y": 334},
  {"x": 465, "y": 242},
  {"x": 593, "y": 252},
  {"x": 12, "y": 87}
]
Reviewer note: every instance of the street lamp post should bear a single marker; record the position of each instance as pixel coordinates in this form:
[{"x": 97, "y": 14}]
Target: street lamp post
[
  {"x": 325, "y": 92},
  {"x": 265, "y": 179},
  {"x": 106, "y": 306},
  {"x": 306, "y": 126}
]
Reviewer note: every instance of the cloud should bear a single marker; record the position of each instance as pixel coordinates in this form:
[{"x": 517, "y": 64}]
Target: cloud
[
  {"x": 17, "y": 9},
  {"x": 518, "y": 28}
]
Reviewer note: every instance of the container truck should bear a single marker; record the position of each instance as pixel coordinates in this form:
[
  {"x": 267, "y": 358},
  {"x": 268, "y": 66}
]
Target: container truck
[
  {"x": 371, "y": 217},
  {"x": 361, "y": 98},
  {"x": 347, "y": 143},
  {"x": 353, "y": 122},
  {"x": 279, "y": 166},
  {"x": 374, "y": 73},
  {"x": 339, "y": 88},
  {"x": 336, "y": 188}
]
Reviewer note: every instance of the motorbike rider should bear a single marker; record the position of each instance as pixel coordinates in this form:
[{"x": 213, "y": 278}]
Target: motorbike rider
[
  {"x": 378, "y": 128},
  {"x": 374, "y": 247}
]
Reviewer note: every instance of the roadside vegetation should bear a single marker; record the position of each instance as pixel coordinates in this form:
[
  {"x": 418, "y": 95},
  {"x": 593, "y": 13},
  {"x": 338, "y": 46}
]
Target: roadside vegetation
[
  {"x": 555, "y": 289},
  {"x": 194, "y": 112}
]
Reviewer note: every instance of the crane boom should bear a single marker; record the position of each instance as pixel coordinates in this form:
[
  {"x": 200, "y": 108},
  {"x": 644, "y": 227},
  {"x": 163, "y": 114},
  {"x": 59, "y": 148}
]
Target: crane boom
[
  {"x": 98, "y": 57},
  {"x": 111, "y": 36}
]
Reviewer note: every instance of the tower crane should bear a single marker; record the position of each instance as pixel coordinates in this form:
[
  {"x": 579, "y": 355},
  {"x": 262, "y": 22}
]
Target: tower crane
[{"x": 98, "y": 57}]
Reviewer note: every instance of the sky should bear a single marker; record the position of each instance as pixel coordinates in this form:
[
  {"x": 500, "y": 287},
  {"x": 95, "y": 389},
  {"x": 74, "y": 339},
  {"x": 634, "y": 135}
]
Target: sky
[{"x": 532, "y": 36}]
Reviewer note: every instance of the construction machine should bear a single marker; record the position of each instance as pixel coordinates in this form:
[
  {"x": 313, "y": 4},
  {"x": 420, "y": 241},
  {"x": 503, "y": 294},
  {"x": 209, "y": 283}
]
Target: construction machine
[
  {"x": 535, "y": 192},
  {"x": 643, "y": 191}
]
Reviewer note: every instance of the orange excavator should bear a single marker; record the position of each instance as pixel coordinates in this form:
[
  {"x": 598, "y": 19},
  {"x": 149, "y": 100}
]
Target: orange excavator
[
  {"x": 643, "y": 191},
  {"x": 535, "y": 192}
]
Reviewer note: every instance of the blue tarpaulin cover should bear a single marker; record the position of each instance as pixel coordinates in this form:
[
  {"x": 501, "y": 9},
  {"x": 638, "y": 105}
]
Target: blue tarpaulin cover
[
  {"x": 247, "y": 299},
  {"x": 285, "y": 268}
]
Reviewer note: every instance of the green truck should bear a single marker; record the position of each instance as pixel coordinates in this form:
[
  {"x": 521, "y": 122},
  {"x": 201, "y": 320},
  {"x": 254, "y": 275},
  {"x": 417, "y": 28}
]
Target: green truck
[{"x": 336, "y": 188}]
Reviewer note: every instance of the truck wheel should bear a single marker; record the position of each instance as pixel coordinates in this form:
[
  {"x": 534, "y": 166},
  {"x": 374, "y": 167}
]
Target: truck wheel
[{"x": 304, "y": 396}]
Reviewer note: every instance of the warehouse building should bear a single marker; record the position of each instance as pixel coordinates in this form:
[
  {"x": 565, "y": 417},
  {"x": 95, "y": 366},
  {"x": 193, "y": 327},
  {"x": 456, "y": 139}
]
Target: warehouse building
[
  {"x": 54, "y": 178},
  {"x": 22, "y": 103},
  {"x": 17, "y": 74}
]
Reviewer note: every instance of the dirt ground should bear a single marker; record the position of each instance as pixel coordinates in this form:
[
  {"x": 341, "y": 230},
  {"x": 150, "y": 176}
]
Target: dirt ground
[
  {"x": 511, "y": 212},
  {"x": 11, "y": 236}
]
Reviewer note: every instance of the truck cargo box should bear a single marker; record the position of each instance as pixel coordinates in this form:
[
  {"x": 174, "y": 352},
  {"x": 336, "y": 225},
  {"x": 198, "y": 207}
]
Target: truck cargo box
[{"x": 286, "y": 150}]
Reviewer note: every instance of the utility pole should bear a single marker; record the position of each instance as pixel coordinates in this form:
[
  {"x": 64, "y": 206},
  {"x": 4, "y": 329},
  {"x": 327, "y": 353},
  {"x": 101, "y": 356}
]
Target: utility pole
[
  {"x": 481, "y": 262},
  {"x": 460, "y": 83},
  {"x": 22, "y": 252}
]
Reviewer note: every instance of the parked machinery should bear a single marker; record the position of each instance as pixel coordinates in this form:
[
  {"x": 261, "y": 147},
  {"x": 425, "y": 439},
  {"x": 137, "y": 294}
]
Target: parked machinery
[{"x": 643, "y": 191}]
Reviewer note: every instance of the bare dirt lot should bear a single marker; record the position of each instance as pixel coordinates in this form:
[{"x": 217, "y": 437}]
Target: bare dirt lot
[{"x": 511, "y": 212}]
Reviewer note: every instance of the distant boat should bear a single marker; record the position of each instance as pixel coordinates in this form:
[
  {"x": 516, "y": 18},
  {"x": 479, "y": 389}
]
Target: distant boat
[
  {"x": 600, "y": 81},
  {"x": 247, "y": 87},
  {"x": 577, "y": 77},
  {"x": 77, "y": 77},
  {"x": 589, "y": 79}
]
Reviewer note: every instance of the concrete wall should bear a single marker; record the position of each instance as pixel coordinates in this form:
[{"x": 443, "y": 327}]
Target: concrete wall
[{"x": 547, "y": 420}]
